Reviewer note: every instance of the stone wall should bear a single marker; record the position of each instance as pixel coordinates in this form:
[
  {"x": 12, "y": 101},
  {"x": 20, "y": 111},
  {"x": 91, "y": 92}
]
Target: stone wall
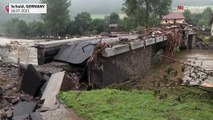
[{"x": 119, "y": 68}]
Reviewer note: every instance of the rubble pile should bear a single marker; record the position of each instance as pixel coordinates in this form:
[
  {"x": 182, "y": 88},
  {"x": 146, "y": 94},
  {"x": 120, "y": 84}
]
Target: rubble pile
[
  {"x": 177, "y": 35},
  {"x": 26, "y": 93}
]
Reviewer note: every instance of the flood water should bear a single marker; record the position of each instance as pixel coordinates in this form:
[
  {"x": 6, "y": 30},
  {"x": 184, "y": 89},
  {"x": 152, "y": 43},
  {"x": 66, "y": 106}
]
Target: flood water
[
  {"x": 201, "y": 58},
  {"x": 195, "y": 57},
  {"x": 13, "y": 49}
]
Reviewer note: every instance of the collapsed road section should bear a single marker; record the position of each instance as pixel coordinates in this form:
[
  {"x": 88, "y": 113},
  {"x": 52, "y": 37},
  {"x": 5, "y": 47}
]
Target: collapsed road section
[{"x": 113, "y": 60}]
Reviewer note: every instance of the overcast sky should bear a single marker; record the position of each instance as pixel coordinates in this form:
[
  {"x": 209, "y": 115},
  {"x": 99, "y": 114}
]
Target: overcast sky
[
  {"x": 91, "y": 6},
  {"x": 103, "y": 6}
]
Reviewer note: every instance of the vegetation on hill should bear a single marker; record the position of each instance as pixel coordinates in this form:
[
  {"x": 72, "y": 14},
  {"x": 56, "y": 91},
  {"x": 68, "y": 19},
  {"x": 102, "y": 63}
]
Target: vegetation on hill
[
  {"x": 200, "y": 20},
  {"x": 136, "y": 16}
]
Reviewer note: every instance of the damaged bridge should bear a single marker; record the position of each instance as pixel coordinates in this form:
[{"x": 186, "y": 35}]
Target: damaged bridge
[{"x": 106, "y": 60}]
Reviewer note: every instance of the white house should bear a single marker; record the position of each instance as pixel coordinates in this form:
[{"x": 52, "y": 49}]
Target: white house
[{"x": 172, "y": 18}]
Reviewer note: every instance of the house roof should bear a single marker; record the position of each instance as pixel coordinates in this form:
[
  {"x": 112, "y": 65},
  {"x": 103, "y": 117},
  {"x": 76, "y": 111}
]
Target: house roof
[
  {"x": 174, "y": 16},
  {"x": 113, "y": 25}
]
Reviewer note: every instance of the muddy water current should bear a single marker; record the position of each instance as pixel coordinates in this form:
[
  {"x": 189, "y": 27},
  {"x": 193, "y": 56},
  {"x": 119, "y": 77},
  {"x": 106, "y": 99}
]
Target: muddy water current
[
  {"x": 13, "y": 49},
  {"x": 195, "y": 57}
]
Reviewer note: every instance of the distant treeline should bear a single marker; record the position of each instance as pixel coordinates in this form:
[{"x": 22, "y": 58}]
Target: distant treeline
[
  {"x": 140, "y": 14},
  {"x": 200, "y": 20},
  {"x": 82, "y": 25}
]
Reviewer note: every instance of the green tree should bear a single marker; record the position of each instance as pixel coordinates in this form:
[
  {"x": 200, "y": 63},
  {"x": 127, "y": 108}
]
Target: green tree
[
  {"x": 36, "y": 28},
  {"x": 98, "y": 26},
  {"x": 22, "y": 28},
  {"x": 202, "y": 19},
  {"x": 195, "y": 19},
  {"x": 126, "y": 24},
  {"x": 71, "y": 28},
  {"x": 161, "y": 7},
  {"x": 206, "y": 15},
  {"x": 154, "y": 21},
  {"x": 188, "y": 15},
  {"x": 83, "y": 23},
  {"x": 114, "y": 18},
  {"x": 140, "y": 11},
  {"x": 57, "y": 16},
  {"x": 201, "y": 22},
  {"x": 16, "y": 28}
]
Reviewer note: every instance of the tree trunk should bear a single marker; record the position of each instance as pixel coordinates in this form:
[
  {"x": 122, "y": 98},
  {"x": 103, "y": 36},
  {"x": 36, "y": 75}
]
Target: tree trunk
[{"x": 147, "y": 13}]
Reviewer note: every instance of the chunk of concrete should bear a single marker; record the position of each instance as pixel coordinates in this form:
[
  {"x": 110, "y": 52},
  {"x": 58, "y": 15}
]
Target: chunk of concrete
[
  {"x": 22, "y": 117},
  {"x": 9, "y": 113},
  {"x": 165, "y": 38},
  {"x": 52, "y": 89},
  {"x": 57, "y": 114},
  {"x": 64, "y": 52},
  {"x": 115, "y": 50},
  {"x": 3, "y": 103},
  {"x": 159, "y": 39},
  {"x": 23, "y": 109},
  {"x": 32, "y": 81},
  {"x": 81, "y": 53},
  {"x": 136, "y": 45},
  {"x": 35, "y": 116},
  {"x": 76, "y": 53},
  {"x": 150, "y": 41},
  {"x": 47, "y": 78}
]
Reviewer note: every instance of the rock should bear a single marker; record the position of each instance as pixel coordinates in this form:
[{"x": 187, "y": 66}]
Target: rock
[
  {"x": 14, "y": 89},
  {"x": 21, "y": 117},
  {"x": 1, "y": 92},
  {"x": 52, "y": 90},
  {"x": 43, "y": 109},
  {"x": 3, "y": 116},
  {"x": 8, "y": 87},
  {"x": 3, "y": 80},
  {"x": 1, "y": 113},
  {"x": 4, "y": 103},
  {"x": 14, "y": 101},
  {"x": 32, "y": 81},
  {"x": 25, "y": 97},
  {"x": 9, "y": 113},
  {"x": 35, "y": 116},
  {"x": 24, "y": 108},
  {"x": 45, "y": 84},
  {"x": 60, "y": 113}
]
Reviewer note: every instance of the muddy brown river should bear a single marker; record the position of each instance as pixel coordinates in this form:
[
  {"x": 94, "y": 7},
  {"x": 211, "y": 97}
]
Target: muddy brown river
[{"x": 195, "y": 57}]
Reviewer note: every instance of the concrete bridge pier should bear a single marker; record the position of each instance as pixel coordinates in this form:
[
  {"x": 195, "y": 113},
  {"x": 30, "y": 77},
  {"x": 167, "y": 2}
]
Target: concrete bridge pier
[
  {"x": 124, "y": 62},
  {"x": 192, "y": 41}
]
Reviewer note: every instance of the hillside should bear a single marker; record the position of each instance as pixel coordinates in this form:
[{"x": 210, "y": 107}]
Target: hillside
[{"x": 92, "y": 6}]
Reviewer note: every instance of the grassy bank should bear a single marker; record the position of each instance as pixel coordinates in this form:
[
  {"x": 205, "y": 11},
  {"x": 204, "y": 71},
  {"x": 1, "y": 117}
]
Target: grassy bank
[{"x": 110, "y": 104}]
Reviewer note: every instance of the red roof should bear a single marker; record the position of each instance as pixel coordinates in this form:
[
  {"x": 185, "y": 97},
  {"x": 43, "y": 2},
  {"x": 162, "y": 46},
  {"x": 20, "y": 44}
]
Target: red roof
[{"x": 174, "y": 16}]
